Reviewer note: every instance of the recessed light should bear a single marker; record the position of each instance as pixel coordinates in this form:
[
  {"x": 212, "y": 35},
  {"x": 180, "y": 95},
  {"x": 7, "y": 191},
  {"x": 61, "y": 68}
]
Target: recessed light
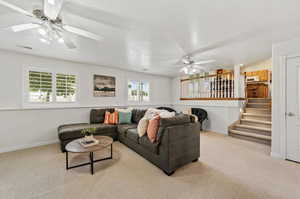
[{"x": 241, "y": 65}]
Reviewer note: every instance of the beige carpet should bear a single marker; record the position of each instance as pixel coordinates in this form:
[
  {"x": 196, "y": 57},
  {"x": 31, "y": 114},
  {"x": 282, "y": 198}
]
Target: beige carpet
[{"x": 228, "y": 168}]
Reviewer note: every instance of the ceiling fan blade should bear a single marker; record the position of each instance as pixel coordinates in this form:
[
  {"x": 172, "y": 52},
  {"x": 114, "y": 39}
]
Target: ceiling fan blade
[
  {"x": 52, "y": 8},
  {"x": 204, "y": 62},
  {"x": 16, "y": 8},
  {"x": 23, "y": 27},
  {"x": 199, "y": 67},
  {"x": 67, "y": 41},
  {"x": 82, "y": 33}
]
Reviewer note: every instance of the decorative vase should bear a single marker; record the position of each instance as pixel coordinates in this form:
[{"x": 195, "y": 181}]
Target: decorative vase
[{"x": 88, "y": 137}]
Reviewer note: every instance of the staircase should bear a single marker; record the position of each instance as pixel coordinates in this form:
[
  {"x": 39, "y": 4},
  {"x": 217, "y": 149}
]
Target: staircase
[{"x": 255, "y": 121}]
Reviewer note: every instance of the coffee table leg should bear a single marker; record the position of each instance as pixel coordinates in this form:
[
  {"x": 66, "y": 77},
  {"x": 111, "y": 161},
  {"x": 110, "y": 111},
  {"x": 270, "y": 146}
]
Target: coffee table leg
[
  {"x": 111, "y": 151},
  {"x": 92, "y": 162},
  {"x": 67, "y": 160}
]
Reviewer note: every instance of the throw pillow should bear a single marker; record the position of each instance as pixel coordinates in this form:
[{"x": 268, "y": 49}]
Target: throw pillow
[
  {"x": 111, "y": 118},
  {"x": 153, "y": 128},
  {"x": 106, "y": 118},
  {"x": 142, "y": 126},
  {"x": 166, "y": 114},
  {"x": 125, "y": 117},
  {"x": 151, "y": 112}
]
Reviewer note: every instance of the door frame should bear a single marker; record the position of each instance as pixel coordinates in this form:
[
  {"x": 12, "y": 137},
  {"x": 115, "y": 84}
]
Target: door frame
[{"x": 283, "y": 121}]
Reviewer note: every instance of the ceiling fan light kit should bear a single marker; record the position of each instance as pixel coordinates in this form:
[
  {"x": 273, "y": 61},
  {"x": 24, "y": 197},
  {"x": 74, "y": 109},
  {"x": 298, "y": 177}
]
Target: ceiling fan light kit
[
  {"x": 50, "y": 25},
  {"x": 191, "y": 67}
]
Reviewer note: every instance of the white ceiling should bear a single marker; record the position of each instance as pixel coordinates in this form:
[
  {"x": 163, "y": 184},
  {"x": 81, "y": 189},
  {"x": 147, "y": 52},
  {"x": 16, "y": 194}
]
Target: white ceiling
[{"x": 154, "y": 35}]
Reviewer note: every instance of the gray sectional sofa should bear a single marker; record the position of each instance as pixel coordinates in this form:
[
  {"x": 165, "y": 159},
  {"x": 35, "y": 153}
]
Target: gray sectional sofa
[{"x": 178, "y": 139}]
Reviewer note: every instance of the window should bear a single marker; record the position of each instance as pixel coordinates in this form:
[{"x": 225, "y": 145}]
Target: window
[
  {"x": 40, "y": 86},
  {"x": 65, "y": 88},
  {"x": 138, "y": 91}
]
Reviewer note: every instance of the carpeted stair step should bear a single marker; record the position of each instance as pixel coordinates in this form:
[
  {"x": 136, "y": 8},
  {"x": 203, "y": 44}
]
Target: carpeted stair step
[
  {"x": 256, "y": 116},
  {"x": 265, "y": 139},
  {"x": 258, "y": 100},
  {"x": 259, "y": 123},
  {"x": 258, "y": 110},
  {"x": 259, "y": 105}
]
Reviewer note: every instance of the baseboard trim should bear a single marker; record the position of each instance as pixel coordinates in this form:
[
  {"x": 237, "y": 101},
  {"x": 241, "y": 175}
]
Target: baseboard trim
[
  {"x": 276, "y": 155},
  {"x": 26, "y": 146}
]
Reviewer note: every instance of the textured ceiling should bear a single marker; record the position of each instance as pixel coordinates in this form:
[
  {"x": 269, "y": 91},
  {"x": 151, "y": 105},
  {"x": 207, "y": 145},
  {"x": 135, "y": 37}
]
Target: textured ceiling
[{"x": 153, "y": 35}]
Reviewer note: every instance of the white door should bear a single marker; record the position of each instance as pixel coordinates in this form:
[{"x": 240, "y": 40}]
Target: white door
[{"x": 293, "y": 109}]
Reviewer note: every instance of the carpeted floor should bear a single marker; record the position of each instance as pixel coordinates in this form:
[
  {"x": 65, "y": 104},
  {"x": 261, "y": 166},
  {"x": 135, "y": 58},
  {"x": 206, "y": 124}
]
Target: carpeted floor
[{"x": 228, "y": 168}]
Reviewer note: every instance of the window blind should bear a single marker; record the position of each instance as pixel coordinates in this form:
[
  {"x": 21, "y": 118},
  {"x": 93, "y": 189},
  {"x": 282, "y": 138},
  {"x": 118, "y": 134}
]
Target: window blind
[
  {"x": 65, "y": 88},
  {"x": 40, "y": 86}
]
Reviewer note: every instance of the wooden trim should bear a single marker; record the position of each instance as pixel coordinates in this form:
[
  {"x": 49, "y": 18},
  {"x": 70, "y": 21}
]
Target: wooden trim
[
  {"x": 228, "y": 99},
  {"x": 201, "y": 77}
]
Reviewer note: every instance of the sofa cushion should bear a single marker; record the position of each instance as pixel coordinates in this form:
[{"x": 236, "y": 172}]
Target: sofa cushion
[
  {"x": 97, "y": 115},
  {"x": 148, "y": 145},
  {"x": 137, "y": 115},
  {"x": 73, "y": 131},
  {"x": 133, "y": 135},
  {"x": 177, "y": 120},
  {"x": 122, "y": 128}
]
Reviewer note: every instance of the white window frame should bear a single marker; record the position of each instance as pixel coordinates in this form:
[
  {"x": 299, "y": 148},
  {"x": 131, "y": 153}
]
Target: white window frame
[
  {"x": 53, "y": 104},
  {"x": 139, "y": 97}
]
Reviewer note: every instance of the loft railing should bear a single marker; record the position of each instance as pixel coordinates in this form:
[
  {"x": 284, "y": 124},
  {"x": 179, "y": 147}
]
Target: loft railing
[{"x": 208, "y": 87}]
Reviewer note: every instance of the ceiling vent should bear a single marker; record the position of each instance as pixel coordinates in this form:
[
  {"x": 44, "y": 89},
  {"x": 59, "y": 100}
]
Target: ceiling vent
[{"x": 24, "y": 47}]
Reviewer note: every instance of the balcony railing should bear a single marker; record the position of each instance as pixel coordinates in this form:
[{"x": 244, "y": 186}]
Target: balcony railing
[{"x": 208, "y": 87}]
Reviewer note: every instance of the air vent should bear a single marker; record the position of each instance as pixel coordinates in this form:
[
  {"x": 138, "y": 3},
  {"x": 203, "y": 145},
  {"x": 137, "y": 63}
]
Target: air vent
[{"x": 25, "y": 47}]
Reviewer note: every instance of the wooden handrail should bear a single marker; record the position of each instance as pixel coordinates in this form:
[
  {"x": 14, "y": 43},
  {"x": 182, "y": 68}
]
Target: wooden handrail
[
  {"x": 207, "y": 76},
  {"x": 207, "y": 98}
]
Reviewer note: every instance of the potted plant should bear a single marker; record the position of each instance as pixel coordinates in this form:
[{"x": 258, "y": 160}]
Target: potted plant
[{"x": 88, "y": 133}]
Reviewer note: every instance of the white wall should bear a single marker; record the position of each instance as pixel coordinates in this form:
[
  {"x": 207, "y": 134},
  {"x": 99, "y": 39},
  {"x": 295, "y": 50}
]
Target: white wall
[
  {"x": 262, "y": 65},
  {"x": 21, "y": 127},
  {"x": 280, "y": 51},
  {"x": 221, "y": 113}
]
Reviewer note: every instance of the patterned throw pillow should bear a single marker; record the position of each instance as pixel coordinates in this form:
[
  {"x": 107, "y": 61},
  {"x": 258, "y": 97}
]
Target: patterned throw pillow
[
  {"x": 111, "y": 118},
  {"x": 125, "y": 117},
  {"x": 153, "y": 128},
  {"x": 142, "y": 126}
]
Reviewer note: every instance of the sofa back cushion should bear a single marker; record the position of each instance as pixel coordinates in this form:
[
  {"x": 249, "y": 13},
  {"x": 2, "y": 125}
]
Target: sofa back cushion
[
  {"x": 137, "y": 115},
  {"x": 98, "y": 115},
  {"x": 176, "y": 120}
]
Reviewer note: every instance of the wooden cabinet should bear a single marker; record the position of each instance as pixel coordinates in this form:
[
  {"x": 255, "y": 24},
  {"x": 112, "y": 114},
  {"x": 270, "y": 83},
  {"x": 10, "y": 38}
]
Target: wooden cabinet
[
  {"x": 257, "y": 90},
  {"x": 262, "y": 74}
]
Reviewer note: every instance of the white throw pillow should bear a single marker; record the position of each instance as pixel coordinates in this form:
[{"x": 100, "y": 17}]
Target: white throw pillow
[
  {"x": 166, "y": 114},
  {"x": 150, "y": 113},
  {"x": 142, "y": 126}
]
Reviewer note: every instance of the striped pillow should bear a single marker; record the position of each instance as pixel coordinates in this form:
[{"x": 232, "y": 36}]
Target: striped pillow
[{"x": 111, "y": 118}]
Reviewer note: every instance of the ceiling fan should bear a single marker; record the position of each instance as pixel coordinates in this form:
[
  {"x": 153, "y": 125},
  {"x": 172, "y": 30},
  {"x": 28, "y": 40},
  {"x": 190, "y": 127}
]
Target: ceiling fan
[
  {"x": 191, "y": 67},
  {"x": 49, "y": 24}
]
